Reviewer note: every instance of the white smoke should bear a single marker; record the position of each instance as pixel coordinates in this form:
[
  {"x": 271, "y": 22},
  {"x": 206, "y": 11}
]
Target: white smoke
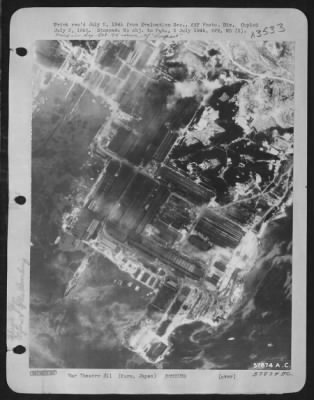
[
  {"x": 186, "y": 89},
  {"x": 201, "y": 90}
]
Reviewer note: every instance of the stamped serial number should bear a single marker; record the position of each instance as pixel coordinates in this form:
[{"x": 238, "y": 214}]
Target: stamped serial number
[{"x": 271, "y": 365}]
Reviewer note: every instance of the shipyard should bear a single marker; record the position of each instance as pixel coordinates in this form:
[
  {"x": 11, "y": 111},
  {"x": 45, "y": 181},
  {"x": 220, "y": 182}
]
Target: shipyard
[
  {"x": 179, "y": 186},
  {"x": 146, "y": 212}
]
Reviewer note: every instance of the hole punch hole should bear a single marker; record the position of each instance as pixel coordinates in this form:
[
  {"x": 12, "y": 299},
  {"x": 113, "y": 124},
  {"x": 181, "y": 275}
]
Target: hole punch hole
[
  {"x": 19, "y": 349},
  {"x": 20, "y": 200},
  {"x": 21, "y": 51}
]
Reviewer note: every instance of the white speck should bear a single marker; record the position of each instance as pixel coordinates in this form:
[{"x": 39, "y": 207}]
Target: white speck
[
  {"x": 270, "y": 345},
  {"x": 231, "y": 339}
]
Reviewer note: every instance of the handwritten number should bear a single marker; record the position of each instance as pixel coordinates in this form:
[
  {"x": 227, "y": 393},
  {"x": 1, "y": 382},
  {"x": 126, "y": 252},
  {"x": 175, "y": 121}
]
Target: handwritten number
[
  {"x": 268, "y": 30},
  {"x": 265, "y": 30},
  {"x": 281, "y": 28}
]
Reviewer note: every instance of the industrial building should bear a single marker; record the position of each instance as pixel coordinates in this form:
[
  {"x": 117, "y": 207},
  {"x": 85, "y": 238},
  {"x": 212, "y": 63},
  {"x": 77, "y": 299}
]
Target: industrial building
[
  {"x": 176, "y": 213},
  {"x": 183, "y": 185},
  {"x": 165, "y": 146},
  {"x": 165, "y": 295},
  {"x": 85, "y": 225},
  {"x": 219, "y": 230},
  {"x": 149, "y": 345},
  {"x": 163, "y": 234},
  {"x": 181, "y": 264},
  {"x": 123, "y": 142},
  {"x": 199, "y": 243},
  {"x": 159, "y": 196}
]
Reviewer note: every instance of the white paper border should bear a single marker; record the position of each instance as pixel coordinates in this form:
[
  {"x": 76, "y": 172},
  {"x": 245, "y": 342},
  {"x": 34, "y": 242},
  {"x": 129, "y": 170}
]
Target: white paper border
[{"x": 28, "y": 25}]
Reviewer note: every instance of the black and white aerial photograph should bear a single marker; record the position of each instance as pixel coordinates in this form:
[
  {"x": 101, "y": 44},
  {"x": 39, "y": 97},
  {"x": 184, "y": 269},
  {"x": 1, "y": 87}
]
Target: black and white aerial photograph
[{"x": 161, "y": 209}]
